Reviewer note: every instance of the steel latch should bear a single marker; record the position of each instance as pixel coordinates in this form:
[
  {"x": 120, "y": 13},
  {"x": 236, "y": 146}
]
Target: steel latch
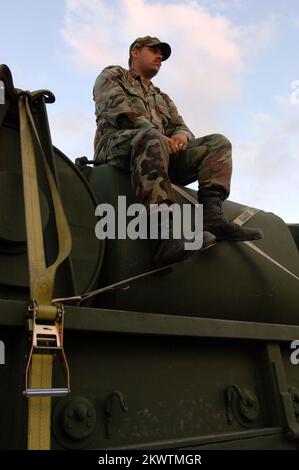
[{"x": 47, "y": 338}]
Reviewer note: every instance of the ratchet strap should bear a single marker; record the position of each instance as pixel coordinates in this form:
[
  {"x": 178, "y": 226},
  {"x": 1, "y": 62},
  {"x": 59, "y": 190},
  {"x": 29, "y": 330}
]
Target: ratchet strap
[{"x": 45, "y": 319}]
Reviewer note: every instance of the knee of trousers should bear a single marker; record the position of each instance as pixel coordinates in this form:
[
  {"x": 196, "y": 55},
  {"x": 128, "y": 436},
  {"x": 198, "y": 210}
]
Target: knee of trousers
[
  {"x": 222, "y": 140},
  {"x": 148, "y": 133}
]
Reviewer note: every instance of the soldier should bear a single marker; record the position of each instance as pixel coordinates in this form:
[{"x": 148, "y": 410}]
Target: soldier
[{"x": 139, "y": 130}]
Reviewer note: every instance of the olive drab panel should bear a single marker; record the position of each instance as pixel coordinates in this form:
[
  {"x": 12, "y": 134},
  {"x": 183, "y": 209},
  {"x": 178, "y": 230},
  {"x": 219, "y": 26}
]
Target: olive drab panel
[{"x": 200, "y": 356}]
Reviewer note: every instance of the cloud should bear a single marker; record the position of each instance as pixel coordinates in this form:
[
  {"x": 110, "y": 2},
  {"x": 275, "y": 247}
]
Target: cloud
[
  {"x": 210, "y": 54},
  {"x": 266, "y": 164},
  {"x": 99, "y": 31},
  {"x": 72, "y": 133},
  {"x": 266, "y": 167},
  {"x": 296, "y": 22},
  {"x": 224, "y": 5},
  {"x": 210, "y": 58}
]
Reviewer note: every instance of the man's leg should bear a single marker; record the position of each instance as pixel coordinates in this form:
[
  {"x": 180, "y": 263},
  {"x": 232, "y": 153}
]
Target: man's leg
[
  {"x": 149, "y": 168},
  {"x": 149, "y": 160},
  {"x": 208, "y": 159},
  {"x": 149, "y": 175},
  {"x": 144, "y": 154}
]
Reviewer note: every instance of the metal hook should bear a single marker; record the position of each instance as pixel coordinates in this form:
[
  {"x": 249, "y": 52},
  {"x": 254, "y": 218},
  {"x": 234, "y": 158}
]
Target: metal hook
[{"x": 108, "y": 412}]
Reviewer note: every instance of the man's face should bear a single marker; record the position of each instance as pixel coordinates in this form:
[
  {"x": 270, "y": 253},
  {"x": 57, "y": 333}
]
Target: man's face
[{"x": 147, "y": 60}]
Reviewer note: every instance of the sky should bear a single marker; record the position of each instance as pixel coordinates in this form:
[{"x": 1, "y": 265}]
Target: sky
[{"x": 234, "y": 70}]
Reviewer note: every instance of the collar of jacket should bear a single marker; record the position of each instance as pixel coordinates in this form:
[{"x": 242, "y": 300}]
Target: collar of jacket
[{"x": 136, "y": 76}]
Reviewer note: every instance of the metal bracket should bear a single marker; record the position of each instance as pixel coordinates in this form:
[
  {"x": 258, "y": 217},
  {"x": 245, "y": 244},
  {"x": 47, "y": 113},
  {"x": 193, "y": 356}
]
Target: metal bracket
[
  {"x": 108, "y": 411},
  {"x": 242, "y": 404},
  {"x": 47, "y": 338},
  {"x": 286, "y": 400},
  {"x": 294, "y": 392},
  {"x": 287, "y": 405}
]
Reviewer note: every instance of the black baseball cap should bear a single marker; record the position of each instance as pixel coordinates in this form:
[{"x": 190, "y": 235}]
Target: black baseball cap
[{"x": 148, "y": 41}]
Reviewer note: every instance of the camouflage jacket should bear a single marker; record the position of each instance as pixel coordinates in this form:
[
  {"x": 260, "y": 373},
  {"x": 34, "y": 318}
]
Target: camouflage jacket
[{"x": 122, "y": 102}]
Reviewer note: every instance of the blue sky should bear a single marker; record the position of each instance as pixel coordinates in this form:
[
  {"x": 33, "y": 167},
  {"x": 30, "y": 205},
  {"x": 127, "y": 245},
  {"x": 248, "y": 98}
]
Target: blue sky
[{"x": 231, "y": 71}]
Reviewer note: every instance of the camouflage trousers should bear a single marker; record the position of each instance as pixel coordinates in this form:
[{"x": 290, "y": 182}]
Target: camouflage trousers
[{"x": 144, "y": 153}]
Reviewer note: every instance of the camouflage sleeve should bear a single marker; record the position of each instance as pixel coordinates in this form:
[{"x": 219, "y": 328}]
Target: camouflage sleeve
[
  {"x": 176, "y": 124},
  {"x": 113, "y": 104}
]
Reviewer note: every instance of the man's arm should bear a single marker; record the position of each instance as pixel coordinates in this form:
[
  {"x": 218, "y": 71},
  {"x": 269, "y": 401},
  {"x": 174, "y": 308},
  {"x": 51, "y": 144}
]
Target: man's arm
[
  {"x": 176, "y": 124},
  {"x": 112, "y": 102}
]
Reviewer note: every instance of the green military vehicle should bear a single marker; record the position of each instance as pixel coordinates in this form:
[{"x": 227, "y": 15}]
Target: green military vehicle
[{"x": 198, "y": 355}]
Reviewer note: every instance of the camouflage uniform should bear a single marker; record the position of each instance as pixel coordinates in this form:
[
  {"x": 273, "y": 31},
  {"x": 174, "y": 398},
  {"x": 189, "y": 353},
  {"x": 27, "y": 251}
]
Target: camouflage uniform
[{"x": 131, "y": 122}]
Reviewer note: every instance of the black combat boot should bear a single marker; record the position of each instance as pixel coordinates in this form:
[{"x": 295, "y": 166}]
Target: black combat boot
[
  {"x": 172, "y": 250},
  {"x": 214, "y": 220}
]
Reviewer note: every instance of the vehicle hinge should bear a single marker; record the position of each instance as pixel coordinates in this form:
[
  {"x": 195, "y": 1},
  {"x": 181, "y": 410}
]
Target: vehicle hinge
[{"x": 287, "y": 404}]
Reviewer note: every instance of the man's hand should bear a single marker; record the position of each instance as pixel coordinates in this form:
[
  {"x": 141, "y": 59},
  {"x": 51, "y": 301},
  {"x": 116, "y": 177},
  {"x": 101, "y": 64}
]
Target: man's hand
[
  {"x": 181, "y": 140},
  {"x": 173, "y": 147},
  {"x": 176, "y": 143}
]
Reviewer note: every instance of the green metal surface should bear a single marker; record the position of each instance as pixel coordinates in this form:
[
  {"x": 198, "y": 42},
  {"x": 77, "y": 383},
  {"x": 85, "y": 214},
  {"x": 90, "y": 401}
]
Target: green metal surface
[
  {"x": 294, "y": 229},
  {"x": 228, "y": 281},
  {"x": 197, "y": 357},
  {"x": 174, "y": 388},
  {"x": 87, "y": 251},
  {"x": 100, "y": 320}
]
